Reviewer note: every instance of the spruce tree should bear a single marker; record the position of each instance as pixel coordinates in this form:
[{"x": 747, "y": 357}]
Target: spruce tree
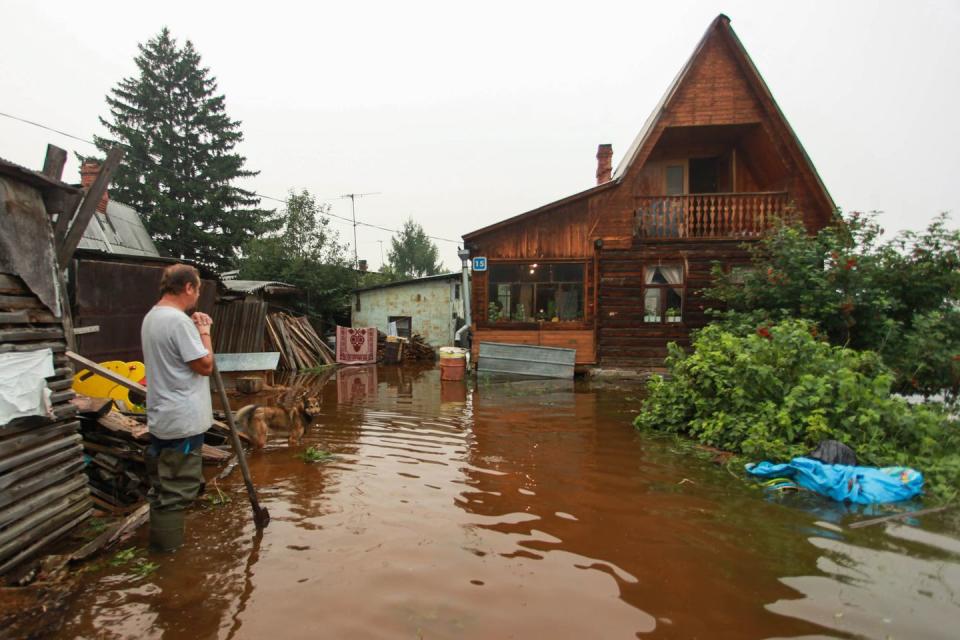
[{"x": 180, "y": 164}]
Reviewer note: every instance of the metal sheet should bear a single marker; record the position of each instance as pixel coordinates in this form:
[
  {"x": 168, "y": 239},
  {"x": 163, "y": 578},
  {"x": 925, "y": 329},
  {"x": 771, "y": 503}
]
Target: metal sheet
[
  {"x": 26, "y": 241},
  {"x": 265, "y": 361},
  {"x": 526, "y": 360}
]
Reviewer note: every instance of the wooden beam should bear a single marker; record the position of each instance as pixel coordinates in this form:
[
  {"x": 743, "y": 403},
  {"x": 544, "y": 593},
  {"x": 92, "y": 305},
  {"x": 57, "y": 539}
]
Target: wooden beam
[
  {"x": 54, "y": 162},
  {"x": 83, "y": 330},
  {"x": 70, "y": 203},
  {"x": 106, "y": 373},
  {"x": 89, "y": 206}
]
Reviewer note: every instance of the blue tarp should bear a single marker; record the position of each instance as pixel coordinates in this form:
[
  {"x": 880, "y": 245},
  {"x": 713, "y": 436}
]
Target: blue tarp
[{"x": 863, "y": 485}]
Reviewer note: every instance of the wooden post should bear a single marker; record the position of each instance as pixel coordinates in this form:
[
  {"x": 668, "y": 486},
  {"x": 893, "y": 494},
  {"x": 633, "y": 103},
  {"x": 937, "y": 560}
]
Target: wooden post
[{"x": 89, "y": 206}]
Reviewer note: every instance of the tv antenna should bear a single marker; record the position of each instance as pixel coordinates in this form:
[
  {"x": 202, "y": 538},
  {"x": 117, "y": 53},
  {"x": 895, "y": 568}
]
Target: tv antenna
[{"x": 353, "y": 213}]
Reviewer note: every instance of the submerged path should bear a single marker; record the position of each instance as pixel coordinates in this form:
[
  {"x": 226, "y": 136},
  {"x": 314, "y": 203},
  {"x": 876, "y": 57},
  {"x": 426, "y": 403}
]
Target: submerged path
[{"x": 516, "y": 510}]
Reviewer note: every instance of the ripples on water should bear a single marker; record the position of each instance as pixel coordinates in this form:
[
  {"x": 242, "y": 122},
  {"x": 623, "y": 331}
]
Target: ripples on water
[{"x": 524, "y": 510}]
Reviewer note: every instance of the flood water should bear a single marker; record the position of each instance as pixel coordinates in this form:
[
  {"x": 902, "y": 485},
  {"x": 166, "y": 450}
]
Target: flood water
[{"x": 518, "y": 510}]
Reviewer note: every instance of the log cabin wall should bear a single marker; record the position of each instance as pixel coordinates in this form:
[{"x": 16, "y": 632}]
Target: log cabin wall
[{"x": 719, "y": 111}]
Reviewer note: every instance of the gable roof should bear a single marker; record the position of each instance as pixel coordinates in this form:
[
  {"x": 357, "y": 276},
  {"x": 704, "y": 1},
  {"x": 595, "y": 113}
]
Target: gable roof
[{"x": 720, "y": 27}]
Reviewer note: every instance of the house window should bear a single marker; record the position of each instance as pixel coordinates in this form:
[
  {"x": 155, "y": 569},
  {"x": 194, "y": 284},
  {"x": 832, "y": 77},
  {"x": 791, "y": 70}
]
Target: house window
[
  {"x": 663, "y": 293},
  {"x": 356, "y": 305},
  {"x": 456, "y": 292},
  {"x": 548, "y": 292},
  {"x": 404, "y": 325}
]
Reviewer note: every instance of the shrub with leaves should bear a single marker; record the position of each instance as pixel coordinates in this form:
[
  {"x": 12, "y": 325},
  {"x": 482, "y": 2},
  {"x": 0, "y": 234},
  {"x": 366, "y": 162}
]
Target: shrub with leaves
[
  {"x": 775, "y": 393},
  {"x": 899, "y": 297}
]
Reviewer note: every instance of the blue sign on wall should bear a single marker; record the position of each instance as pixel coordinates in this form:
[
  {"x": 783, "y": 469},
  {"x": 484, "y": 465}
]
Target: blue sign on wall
[{"x": 479, "y": 264}]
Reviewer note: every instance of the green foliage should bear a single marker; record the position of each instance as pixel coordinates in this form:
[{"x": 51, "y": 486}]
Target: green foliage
[
  {"x": 307, "y": 253},
  {"x": 899, "y": 297},
  {"x": 133, "y": 557},
  {"x": 412, "y": 254},
  {"x": 313, "y": 454},
  {"x": 776, "y": 393},
  {"x": 180, "y": 161}
]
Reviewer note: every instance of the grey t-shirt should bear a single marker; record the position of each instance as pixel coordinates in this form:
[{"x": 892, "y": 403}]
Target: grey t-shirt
[{"x": 178, "y": 399}]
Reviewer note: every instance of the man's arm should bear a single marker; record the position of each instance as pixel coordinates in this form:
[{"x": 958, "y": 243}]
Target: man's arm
[{"x": 203, "y": 366}]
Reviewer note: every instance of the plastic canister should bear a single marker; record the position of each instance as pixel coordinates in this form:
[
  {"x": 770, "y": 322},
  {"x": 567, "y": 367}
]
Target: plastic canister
[{"x": 453, "y": 363}]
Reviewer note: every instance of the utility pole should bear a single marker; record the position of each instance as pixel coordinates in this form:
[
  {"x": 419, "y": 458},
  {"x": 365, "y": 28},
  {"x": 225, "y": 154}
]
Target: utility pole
[
  {"x": 353, "y": 212},
  {"x": 381, "y": 254}
]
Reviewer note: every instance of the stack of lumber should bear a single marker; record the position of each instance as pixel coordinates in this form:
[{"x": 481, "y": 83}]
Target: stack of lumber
[
  {"x": 115, "y": 443},
  {"x": 415, "y": 349},
  {"x": 43, "y": 490},
  {"x": 298, "y": 343}
]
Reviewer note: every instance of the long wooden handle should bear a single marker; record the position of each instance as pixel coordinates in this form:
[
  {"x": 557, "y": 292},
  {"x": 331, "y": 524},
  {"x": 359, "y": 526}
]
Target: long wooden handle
[{"x": 260, "y": 515}]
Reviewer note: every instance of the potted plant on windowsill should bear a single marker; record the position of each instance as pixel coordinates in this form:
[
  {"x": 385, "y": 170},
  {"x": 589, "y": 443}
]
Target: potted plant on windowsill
[
  {"x": 673, "y": 315},
  {"x": 651, "y": 317}
]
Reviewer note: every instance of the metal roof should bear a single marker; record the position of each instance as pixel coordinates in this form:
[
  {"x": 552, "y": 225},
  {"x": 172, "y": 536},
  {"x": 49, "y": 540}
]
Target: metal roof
[
  {"x": 400, "y": 283},
  {"x": 119, "y": 230},
  {"x": 258, "y": 286},
  {"x": 32, "y": 177}
]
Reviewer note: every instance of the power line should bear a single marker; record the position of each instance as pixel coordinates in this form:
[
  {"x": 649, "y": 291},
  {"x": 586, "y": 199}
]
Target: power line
[{"x": 263, "y": 196}]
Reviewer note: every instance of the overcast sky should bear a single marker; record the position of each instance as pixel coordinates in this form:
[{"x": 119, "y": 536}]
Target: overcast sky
[{"x": 462, "y": 114}]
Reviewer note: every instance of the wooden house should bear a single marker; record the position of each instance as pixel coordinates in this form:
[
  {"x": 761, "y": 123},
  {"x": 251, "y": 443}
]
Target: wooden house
[{"x": 614, "y": 271}]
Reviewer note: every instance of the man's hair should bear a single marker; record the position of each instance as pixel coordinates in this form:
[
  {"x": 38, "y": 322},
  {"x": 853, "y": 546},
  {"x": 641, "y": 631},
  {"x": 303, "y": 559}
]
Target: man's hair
[{"x": 176, "y": 277}]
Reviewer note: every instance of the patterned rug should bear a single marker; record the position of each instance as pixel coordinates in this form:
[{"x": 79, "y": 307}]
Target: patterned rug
[{"x": 357, "y": 346}]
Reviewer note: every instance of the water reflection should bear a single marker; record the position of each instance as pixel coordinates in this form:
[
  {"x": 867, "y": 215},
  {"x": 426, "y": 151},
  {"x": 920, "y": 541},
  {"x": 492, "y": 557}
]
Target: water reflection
[
  {"x": 531, "y": 509},
  {"x": 891, "y": 592}
]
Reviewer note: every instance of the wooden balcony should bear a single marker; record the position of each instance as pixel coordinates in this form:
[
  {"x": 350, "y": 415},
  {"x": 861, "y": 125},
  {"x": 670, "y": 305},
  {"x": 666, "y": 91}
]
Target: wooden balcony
[{"x": 708, "y": 215}]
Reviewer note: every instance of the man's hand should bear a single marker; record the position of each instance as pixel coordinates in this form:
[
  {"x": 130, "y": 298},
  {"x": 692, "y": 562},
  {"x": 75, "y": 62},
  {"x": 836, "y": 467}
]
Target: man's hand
[{"x": 203, "y": 323}]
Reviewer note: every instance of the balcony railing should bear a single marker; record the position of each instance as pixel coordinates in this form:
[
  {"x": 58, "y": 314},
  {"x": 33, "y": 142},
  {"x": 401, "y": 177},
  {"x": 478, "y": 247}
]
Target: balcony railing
[{"x": 708, "y": 215}]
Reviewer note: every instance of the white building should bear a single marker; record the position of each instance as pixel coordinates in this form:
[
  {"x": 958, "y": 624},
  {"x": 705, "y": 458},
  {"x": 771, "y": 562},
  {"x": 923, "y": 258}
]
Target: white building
[{"x": 431, "y": 307}]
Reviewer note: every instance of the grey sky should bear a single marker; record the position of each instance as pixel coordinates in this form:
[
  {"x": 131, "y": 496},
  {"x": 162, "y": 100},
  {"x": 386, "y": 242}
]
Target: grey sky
[{"x": 462, "y": 114}]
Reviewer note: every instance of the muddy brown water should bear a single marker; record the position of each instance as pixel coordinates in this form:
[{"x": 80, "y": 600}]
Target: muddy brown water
[{"x": 517, "y": 510}]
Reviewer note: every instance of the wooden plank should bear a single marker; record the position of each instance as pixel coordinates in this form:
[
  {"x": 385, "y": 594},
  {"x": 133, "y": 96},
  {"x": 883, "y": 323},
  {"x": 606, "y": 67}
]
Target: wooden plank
[
  {"x": 114, "y": 533},
  {"x": 89, "y": 206},
  {"x": 30, "y": 334},
  {"x": 898, "y": 516},
  {"x": 11, "y": 284},
  {"x": 54, "y": 162},
  {"x": 79, "y": 331},
  {"x": 33, "y": 346},
  {"x": 28, "y": 316},
  {"x": 106, "y": 373},
  {"x": 15, "y": 303}
]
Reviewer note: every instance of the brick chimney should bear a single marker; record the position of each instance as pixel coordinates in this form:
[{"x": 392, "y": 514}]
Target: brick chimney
[
  {"x": 604, "y": 163},
  {"x": 89, "y": 171}
]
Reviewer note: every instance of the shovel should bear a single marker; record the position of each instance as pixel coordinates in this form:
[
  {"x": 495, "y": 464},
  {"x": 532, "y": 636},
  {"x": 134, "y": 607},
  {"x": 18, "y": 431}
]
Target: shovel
[{"x": 261, "y": 518}]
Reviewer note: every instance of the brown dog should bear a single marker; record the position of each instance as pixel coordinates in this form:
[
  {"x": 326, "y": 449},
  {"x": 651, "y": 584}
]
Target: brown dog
[{"x": 257, "y": 421}]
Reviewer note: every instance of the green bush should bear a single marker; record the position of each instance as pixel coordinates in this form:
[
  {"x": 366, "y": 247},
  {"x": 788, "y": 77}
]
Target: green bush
[
  {"x": 899, "y": 297},
  {"x": 777, "y": 392}
]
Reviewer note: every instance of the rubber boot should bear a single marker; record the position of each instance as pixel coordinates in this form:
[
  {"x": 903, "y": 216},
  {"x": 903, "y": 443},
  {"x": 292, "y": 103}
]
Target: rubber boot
[{"x": 166, "y": 529}]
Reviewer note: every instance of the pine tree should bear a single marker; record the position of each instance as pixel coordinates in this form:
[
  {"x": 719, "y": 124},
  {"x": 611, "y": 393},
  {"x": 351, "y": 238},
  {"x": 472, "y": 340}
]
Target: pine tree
[
  {"x": 180, "y": 164},
  {"x": 412, "y": 254}
]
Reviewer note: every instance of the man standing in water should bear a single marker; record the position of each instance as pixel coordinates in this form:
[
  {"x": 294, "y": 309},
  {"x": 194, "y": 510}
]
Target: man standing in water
[{"x": 179, "y": 358}]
